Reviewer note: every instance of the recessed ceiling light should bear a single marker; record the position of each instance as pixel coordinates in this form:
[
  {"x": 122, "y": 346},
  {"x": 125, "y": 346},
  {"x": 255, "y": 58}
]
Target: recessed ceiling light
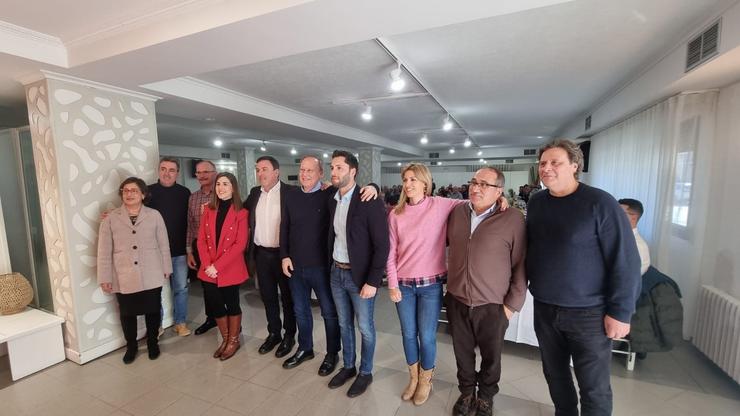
[
  {"x": 218, "y": 143},
  {"x": 424, "y": 139},
  {"x": 540, "y": 137},
  {"x": 452, "y": 150},
  {"x": 263, "y": 147},
  {"x": 367, "y": 115},
  {"x": 293, "y": 151},
  {"x": 447, "y": 124},
  {"x": 398, "y": 164},
  {"x": 480, "y": 152},
  {"x": 210, "y": 119},
  {"x": 467, "y": 142},
  {"x": 326, "y": 155},
  {"x": 481, "y": 160},
  {"x": 485, "y": 162}
]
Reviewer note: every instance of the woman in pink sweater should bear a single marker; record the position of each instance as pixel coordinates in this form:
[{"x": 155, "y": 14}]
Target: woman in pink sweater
[{"x": 416, "y": 272}]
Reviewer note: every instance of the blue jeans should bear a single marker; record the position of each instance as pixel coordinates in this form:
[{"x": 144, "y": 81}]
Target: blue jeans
[
  {"x": 303, "y": 280},
  {"x": 350, "y": 305},
  {"x": 418, "y": 311},
  {"x": 578, "y": 333},
  {"x": 179, "y": 285}
]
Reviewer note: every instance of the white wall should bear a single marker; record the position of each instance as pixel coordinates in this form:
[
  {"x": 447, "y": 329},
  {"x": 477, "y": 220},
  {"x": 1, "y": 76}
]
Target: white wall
[{"x": 665, "y": 78}]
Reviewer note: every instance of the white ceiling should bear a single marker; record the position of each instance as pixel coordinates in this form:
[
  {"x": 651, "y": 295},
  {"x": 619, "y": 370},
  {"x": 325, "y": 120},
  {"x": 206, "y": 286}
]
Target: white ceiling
[{"x": 296, "y": 72}]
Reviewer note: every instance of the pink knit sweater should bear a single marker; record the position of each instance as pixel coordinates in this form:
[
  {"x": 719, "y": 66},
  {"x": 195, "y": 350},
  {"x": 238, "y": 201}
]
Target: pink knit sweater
[{"x": 418, "y": 238}]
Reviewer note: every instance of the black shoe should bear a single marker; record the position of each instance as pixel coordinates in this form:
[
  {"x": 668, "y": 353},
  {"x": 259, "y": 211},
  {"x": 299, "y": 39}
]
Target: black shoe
[
  {"x": 130, "y": 354},
  {"x": 153, "y": 351},
  {"x": 360, "y": 385},
  {"x": 270, "y": 343},
  {"x": 285, "y": 347},
  {"x": 298, "y": 358},
  {"x": 483, "y": 407},
  {"x": 208, "y": 324},
  {"x": 342, "y": 376},
  {"x": 464, "y": 406},
  {"x": 329, "y": 364}
]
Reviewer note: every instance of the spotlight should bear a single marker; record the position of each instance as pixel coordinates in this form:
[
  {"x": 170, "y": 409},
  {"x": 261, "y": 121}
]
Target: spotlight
[
  {"x": 447, "y": 124},
  {"x": 452, "y": 150},
  {"x": 326, "y": 155},
  {"x": 218, "y": 143},
  {"x": 467, "y": 142},
  {"x": 293, "y": 151},
  {"x": 485, "y": 162},
  {"x": 263, "y": 147},
  {"x": 397, "y": 83},
  {"x": 368, "y": 114},
  {"x": 540, "y": 137},
  {"x": 398, "y": 164},
  {"x": 424, "y": 139},
  {"x": 480, "y": 152},
  {"x": 481, "y": 161}
]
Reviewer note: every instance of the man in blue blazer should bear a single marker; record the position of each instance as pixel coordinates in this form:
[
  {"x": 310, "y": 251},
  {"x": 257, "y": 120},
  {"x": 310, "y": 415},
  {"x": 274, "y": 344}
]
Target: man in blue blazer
[{"x": 358, "y": 243}]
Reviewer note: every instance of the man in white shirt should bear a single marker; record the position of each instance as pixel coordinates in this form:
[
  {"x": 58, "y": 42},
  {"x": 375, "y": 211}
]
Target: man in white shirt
[
  {"x": 633, "y": 209},
  {"x": 265, "y": 204}
]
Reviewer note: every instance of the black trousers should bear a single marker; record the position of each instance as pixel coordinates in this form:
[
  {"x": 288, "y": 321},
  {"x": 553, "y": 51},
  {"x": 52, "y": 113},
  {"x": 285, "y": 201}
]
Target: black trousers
[
  {"x": 224, "y": 300},
  {"x": 270, "y": 277},
  {"x": 578, "y": 333},
  {"x": 128, "y": 325},
  {"x": 193, "y": 275},
  {"x": 483, "y": 327}
]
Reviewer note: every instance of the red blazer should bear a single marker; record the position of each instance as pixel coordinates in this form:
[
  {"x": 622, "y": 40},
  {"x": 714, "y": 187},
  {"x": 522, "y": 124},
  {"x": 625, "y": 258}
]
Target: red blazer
[{"x": 228, "y": 255}]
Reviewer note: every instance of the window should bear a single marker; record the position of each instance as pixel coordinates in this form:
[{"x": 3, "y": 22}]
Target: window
[{"x": 684, "y": 175}]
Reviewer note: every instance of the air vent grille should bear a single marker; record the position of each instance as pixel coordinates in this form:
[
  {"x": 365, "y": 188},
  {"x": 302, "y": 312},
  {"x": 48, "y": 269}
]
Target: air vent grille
[
  {"x": 530, "y": 152},
  {"x": 225, "y": 155},
  {"x": 434, "y": 155},
  {"x": 588, "y": 123},
  {"x": 703, "y": 47}
]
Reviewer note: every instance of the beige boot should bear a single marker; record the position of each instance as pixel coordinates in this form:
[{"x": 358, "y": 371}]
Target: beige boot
[
  {"x": 408, "y": 393},
  {"x": 424, "y": 387}
]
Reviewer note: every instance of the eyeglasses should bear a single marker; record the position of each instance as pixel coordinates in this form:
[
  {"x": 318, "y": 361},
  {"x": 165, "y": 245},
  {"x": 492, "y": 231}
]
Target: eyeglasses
[
  {"x": 204, "y": 172},
  {"x": 483, "y": 185}
]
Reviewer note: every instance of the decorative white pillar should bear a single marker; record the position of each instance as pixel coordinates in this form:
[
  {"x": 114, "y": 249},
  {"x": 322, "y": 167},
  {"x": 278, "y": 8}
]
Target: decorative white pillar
[
  {"x": 369, "y": 166},
  {"x": 87, "y": 138}
]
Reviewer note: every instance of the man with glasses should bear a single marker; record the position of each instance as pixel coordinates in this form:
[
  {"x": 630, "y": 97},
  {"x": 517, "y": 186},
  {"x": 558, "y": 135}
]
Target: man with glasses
[
  {"x": 486, "y": 283},
  {"x": 584, "y": 274},
  {"x": 205, "y": 172},
  {"x": 171, "y": 200}
]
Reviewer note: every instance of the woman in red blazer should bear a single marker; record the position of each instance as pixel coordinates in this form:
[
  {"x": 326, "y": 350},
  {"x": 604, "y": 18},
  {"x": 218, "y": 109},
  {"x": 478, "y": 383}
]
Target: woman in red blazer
[{"x": 222, "y": 239}]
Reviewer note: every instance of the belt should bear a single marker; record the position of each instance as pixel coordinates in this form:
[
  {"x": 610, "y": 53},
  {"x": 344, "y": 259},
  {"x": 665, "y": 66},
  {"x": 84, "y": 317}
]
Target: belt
[
  {"x": 270, "y": 249},
  {"x": 343, "y": 266}
]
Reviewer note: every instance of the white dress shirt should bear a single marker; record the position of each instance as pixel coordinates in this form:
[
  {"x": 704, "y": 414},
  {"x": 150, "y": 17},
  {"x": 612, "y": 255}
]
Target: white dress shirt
[
  {"x": 644, "y": 251},
  {"x": 267, "y": 219}
]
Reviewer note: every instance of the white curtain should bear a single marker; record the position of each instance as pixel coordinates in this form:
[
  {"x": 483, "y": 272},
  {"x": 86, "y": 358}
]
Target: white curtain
[
  {"x": 4, "y": 253},
  {"x": 662, "y": 157}
]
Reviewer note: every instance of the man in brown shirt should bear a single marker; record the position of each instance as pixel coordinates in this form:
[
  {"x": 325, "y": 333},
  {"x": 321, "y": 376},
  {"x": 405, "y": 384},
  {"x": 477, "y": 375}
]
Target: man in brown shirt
[{"x": 486, "y": 284}]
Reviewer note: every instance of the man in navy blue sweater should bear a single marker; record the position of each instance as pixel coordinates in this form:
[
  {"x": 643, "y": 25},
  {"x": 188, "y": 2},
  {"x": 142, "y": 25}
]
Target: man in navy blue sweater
[
  {"x": 304, "y": 229},
  {"x": 584, "y": 273}
]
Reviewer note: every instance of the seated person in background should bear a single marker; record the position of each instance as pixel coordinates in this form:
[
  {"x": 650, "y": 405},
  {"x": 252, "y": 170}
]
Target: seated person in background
[{"x": 633, "y": 209}]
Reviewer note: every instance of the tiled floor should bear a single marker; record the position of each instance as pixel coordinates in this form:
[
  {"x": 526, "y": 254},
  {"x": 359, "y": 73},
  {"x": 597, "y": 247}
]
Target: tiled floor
[{"x": 185, "y": 380}]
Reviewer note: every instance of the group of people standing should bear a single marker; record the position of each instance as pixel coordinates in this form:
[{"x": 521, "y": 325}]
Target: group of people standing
[{"x": 575, "y": 250}]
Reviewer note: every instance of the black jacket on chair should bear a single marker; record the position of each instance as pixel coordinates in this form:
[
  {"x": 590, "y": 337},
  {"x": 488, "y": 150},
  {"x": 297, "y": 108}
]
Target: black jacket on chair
[
  {"x": 367, "y": 239},
  {"x": 657, "y": 324}
]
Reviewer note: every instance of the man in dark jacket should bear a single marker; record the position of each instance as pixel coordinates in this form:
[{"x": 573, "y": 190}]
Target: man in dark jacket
[
  {"x": 359, "y": 244},
  {"x": 265, "y": 204},
  {"x": 486, "y": 284}
]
